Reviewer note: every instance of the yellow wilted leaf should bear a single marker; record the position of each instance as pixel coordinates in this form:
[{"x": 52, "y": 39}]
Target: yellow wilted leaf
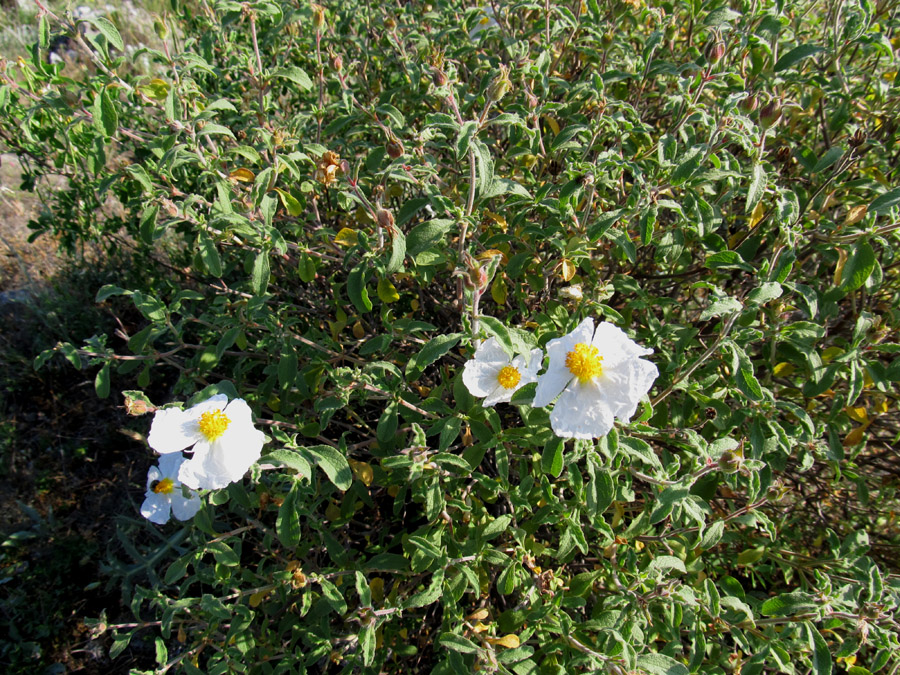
[
  {"x": 856, "y": 214},
  {"x": 414, "y": 304},
  {"x": 496, "y": 218},
  {"x": 854, "y": 437},
  {"x": 758, "y": 212},
  {"x": 552, "y": 123},
  {"x": 509, "y": 641},
  {"x": 243, "y": 175},
  {"x": 333, "y": 512},
  {"x": 387, "y": 292},
  {"x": 362, "y": 471},
  {"x": 858, "y": 414},
  {"x": 156, "y": 89},
  {"x": 491, "y": 253},
  {"x": 499, "y": 291},
  {"x": 358, "y": 331},
  {"x": 480, "y": 628},
  {"x": 618, "y": 513},
  {"x": 257, "y": 598},
  {"x": 376, "y": 587},
  {"x": 890, "y": 76},
  {"x": 346, "y": 237},
  {"x": 839, "y": 268},
  {"x": 479, "y": 614},
  {"x": 882, "y": 406},
  {"x": 567, "y": 270},
  {"x": 784, "y": 369}
]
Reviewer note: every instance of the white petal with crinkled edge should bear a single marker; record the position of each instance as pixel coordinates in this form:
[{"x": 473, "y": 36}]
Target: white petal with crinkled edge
[
  {"x": 615, "y": 346},
  {"x": 225, "y": 460},
  {"x": 173, "y": 430},
  {"x": 480, "y": 378},
  {"x": 551, "y": 383},
  {"x": 185, "y": 508},
  {"x": 169, "y": 465},
  {"x": 583, "y": 411},
  {"x": 490, "y": 350},
  {"x": 641, "y": 376},
  {"x": 156, "y": 508}
]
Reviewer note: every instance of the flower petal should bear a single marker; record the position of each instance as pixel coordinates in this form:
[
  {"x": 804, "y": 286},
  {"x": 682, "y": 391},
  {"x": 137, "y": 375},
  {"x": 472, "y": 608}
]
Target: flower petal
[
  {"x": 615, "y": 346},
  {"x": 153, "y": 475},
  {"x": 491, "y": 351},
  {"x": 169, "y": 465},
  {"x": 530, "y": 371},
  {"x": 156, "y": 508},
  {"x": 500, "y": 395},
  {"x": 173, "y": 430},
  {"x": 640, "y": 378},
  {"x": 583, "y": 411},
  {"x": 480, "y": 377},
  {"x": 185, "y": 508},
  {"x": 217, "y": 402}
]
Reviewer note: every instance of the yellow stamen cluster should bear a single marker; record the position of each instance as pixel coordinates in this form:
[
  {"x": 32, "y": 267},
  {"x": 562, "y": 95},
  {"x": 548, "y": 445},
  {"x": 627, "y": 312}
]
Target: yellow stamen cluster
[
  {"x": 509, "y": 377},
  {"x": 213, "y": 424},
  {"x": 164, "y": 487},
  {"x": 584, "y": 362}
]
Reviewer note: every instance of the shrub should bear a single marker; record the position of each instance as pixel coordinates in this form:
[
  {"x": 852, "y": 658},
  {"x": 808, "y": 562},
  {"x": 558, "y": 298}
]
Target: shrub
[{"x": 335, "y": 205}]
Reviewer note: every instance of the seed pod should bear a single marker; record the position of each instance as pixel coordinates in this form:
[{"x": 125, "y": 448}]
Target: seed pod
[
  {"x": 394, "y": 147},
  {"x": 385, "y": 218},
  {"x": 770, "y": 113},
  {"x": 730, "y": 462},
  {"x": 318, "y": 13},
  {"x": 439, "y": 77}
]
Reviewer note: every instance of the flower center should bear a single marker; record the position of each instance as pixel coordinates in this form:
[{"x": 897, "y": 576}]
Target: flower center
[
  {"x": 213, "y": 424},
  {"x": 164, "y": 487},
  {"x": 584, "y": 362},
  {"x": 509, "y": 377}
]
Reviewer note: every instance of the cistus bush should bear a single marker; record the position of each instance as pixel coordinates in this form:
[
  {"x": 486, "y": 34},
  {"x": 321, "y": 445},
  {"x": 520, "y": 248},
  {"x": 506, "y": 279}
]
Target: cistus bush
[{"x": 367, "y": 221}]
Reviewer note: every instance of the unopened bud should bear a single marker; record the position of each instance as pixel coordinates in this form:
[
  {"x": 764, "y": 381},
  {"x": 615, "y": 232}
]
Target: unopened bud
[
  {"x": 160, "y": 27},
  {"x": 389, "y": 23},
  {"x": 532, "y": 100},
  {"x": 136, "y": 407},
  {"x": 500, "y": 85},
  {"x": 749, "y": 104},
  {"x": 858, "y": 138},
  {"x": 439, "y": 77},
  {"x": 770, "y": 113},
  {"x": 385, "y": 218},
  {"x": 715, "y": 51},
  {"x": 337, "y": 62},
  {"x": 318, "y": 13},
  {"x": 729, "y": 462}
]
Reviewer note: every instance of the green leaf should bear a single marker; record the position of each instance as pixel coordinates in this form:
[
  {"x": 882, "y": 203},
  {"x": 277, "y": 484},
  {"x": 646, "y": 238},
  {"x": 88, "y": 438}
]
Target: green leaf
[
  {"x": 290, "y": 203},
  {"x": 431, "y": 352},
  {"x": 796, "y": 55},
  {"x": 296, "y": 75},
  {"x": 495, "y": 328},
  {"x": 210, "y": 254},
  {"x": 398, "y": 251},
  {"x": 552, "y": 457},
  {"x": 457, "y": 643},
  {"x": 788, "y": 604},
  {"x": 666, "y": 562},
  {"x": 259, "y": 280},
  {"x": 858, "y": 267},
  {"x": 356, "y": 288},
  {"x": 757, "y": 187},
  {"x": 106, "y": 119},
  {"x": 101, "y": 381},
  {"x": 334, "y": 464},
  {"x": 821, "y": 657},
  {"x": 287, "y": 524},
  {"x": 287, "y": 369},
  {"x": 213, "y": 129},
  {"x": 426, "y": 235},
  {"x": 689, "y": 164},
  {"x": 484, "y": 165},
  {"x": 833, "y": 154},
  {"x": 885, "y": 202},
  {"x": 367, "y": 644},
  {"x": 109, "y": 31},
  {"x": 464, "y": 138},
  {"x": 660, "y": 664},
  {"x": 496, "y": 527}
]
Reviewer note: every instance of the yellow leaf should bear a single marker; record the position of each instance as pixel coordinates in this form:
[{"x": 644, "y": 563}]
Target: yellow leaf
[
  {"x": 839, "y": 268},
  {"x": 257, "y": 598},
  {"x": 290, "y": 202},
  {"x": 358, "y": 331},
  {"x": 479, "y": 614},
  {"x": 346, "y": 237},
  {"x": 332, "y": 512},
  {"x": 552, "y": 123},
  {"x": 499, "y": 292},
  {"x": 362, "y": 471},
  {"x": 509, "y": 641},
  {"x": 414, "y": 304},
  {"x": 491, "y": 253},
  {"x": 784, "y": 369},
  {"x": 856, "y": 214},
  {"x": 831, "y": 353},
  {"x": 855, "y": 437},
  {"x": 243, "y": 175},
  {"x": 376, "y": 586},
  {"x": 858, "y": 414},
  {"x": 757, "y": 215},
  {"x": 387, "y": 292},
  {"x": 480, "y": 628},
  {"x": 567, "y": 270},
  {"x": 882, "y": 406},
  {"x": 496, "y": 218}
]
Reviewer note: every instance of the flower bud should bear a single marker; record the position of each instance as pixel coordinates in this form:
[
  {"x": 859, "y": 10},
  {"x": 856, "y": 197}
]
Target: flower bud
[
  {"x": 532, "y": 101},
  {"x": 500, "y": 85},
  {"x": 160, "y": 27},
  {"x": 749, "y": 104},
  {"x": 770, "y": 113},
  {"x": 136, "y": 407},
  {"x": 715, "y": 51},
  {"x": 729, "y": 462},
  {"x": 337, "y": 62},
  {"x": 385, "y": 218},
  {"x": 318, "y": 13},
  {"x": 858, "y": 138},
  {"x": 439, "y": 77},
  {"x": 389, "y": 23}
]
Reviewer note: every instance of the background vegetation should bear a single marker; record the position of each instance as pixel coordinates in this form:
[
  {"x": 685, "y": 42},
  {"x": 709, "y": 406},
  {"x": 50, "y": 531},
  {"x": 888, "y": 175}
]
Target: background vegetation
[{"x": 320, "y": 208}]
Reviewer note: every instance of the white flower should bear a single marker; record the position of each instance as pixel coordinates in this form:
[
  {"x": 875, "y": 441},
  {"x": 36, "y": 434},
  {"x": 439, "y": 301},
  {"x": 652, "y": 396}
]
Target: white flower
[
  {"x": 485, "y": 20},
  {"x": 224, "y": 440},
  {"x": 600, "y": 376},
  {"x": 493, "y": 375},
  {"x": 166, "y": 495}
]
